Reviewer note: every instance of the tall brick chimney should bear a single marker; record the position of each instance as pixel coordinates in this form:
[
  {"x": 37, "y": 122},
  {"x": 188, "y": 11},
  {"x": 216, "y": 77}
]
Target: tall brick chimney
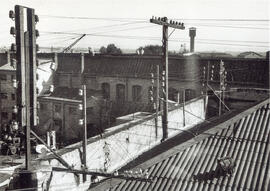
[{"x": 192, "y": 34}]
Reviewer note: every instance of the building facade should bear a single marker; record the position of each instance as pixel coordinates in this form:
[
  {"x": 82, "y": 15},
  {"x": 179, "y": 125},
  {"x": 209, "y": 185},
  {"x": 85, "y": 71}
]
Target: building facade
[
  {"x": 61, "y": 111},
  {"x": 7, "y": 91},
  {"x": 126, "y": 79}
]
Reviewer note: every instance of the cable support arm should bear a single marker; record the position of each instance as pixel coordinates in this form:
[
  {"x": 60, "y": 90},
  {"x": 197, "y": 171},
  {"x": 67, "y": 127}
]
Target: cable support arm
[
  {"x": 218, "y": 97},
  {"x": 108, "y": 175}
]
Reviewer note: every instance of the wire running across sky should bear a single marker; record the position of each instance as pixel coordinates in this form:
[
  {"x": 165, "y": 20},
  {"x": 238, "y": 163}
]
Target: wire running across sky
[
  {"x": 199, "y": 41},
  {"x": 124, "y": 28}
]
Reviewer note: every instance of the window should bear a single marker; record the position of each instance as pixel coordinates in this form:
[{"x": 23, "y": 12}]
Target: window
[
  {"x": 105, "y": 90},
  {"x": 136, "y": 93},
  {"x": 90, "y": 111},
  {"x": 173, "y": 94},
  {"x": 13, "y": 96},
  {"x": 63, "y": 80},
  {"x": 4, "y": 115},
  {"x": 43, "y": 106},
  {"x": 75, "y": 81},
  {"x": 72, "y": 110},
  {"x": 3, "y": 95},
  {"x": 120, "y": 92},
  {"x": 57, "y": 108},
  {"x": 3, "y": 77}
]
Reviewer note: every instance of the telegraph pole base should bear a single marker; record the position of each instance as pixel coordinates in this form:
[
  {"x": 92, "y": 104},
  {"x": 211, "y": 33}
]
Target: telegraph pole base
[
  {"x": 35, "y": 179},
  {"x": 24, "y": 179}
]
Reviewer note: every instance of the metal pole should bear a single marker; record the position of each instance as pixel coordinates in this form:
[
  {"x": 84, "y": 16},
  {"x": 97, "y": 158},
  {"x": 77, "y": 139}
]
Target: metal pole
[
  {"x": 157, "y": 102},
  {"x": 207, "y": 84},
  {"x": 207, "y": 78},
  {"x": 85, "y": 130},
  {"x": 184, "y": 116},
  {"x": 219, "y": 107},
  {"x": 0, "y": 106},
  {"x": 165, "y": 73}
]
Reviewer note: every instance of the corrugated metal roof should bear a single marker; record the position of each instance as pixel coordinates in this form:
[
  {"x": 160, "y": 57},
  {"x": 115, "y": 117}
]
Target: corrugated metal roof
[{"x": 246, "y": 141}]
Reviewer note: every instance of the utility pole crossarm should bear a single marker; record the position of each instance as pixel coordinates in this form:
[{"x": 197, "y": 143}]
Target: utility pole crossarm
[{"x": 163, "y": 22}]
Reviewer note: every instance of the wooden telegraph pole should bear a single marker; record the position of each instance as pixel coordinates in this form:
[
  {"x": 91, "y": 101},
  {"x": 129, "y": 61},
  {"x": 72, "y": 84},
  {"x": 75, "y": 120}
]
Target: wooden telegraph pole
[
  {"x": 165, "y": 25},
  {"x": 84, "y": 129},
  {"x": 157, "y": 102},
  {"x": 83, "y": 107},
  {"x": 222, "y": 86}
]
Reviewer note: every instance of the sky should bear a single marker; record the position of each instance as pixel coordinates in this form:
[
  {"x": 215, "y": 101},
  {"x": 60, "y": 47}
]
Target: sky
[{"x": 231, "y": 25}]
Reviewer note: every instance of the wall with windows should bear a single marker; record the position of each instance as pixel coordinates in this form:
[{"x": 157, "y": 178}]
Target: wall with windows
[
  {"x": 7, "y": 95},
  {"x": 62, "y": 115},
  {"x": 137, "y": 89},
  {"x": 68, "y": 80}
]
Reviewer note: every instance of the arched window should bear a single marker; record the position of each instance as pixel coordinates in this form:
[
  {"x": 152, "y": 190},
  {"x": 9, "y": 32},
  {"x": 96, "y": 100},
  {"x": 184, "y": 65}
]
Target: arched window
[
  {"x": 173, "y": 94},
  {"x": 120, "y": 92},
  {"x": 136, "y": 93},
  {"x": 105, "y": 87}
]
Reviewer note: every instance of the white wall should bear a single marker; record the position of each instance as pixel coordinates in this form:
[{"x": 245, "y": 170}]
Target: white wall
[{"x": 141, "y": 138}]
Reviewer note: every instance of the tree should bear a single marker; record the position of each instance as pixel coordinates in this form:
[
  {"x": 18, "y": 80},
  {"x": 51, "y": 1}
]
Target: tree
[
  {"x": 111, "y": 49},
  {"x": 103, "y": 50},
  {"x": 153, "y": 49}
]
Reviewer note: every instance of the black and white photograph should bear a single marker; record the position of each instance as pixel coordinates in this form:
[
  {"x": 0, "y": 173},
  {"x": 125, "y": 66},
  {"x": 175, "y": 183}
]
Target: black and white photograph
[{"x": 142, "y": 95}]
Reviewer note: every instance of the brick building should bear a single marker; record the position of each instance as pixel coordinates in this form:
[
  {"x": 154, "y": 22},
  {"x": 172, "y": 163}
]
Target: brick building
[
  {"x": 8, "y": 76},
  {"x": 7, "y": 91},
  {"x": 59, "y": 111},
  {"x": 125, "y": 79}
]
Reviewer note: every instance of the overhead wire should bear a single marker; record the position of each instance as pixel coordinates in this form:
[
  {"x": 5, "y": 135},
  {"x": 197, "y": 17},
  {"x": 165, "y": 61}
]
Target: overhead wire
[
  {"x": 107, "y": 26},
  {"x": 229, "y": 26},
  {"x": 159, "y": 39},
  {"x": 94, "y": 18},
  {"x": 146, "y": 19}
]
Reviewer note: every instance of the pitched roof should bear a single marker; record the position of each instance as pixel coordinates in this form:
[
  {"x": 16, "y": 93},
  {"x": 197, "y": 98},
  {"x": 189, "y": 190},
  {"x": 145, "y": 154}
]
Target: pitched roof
[
  {"x": 253, "y": 54},
  {"x": 245, "y": 138},
  {"x": 126, "y": 65},
  {"x": 69, "y": 63}
]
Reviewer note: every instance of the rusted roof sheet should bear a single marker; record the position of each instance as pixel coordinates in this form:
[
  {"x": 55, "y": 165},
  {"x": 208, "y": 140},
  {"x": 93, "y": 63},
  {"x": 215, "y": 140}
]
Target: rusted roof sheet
[{"x": 246, "y": 141}]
